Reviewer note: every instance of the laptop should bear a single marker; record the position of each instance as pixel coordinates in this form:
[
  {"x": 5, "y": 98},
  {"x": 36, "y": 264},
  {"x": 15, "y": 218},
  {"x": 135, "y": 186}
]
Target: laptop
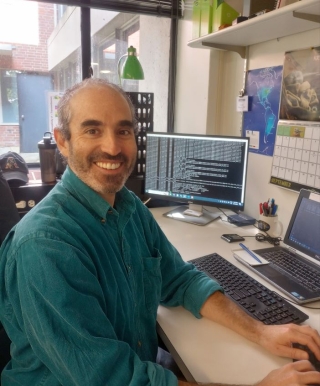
[{"x": 297, "y": 274}]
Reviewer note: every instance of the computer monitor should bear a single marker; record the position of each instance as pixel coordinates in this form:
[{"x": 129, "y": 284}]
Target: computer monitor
[{"x": 199, "y": 170}]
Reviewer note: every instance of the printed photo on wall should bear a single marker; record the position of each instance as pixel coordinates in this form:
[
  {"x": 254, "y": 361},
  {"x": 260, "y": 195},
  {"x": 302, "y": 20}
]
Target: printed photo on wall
[
  {"x": 300, "y": 96},
  {"x": 263, "y": 87}
]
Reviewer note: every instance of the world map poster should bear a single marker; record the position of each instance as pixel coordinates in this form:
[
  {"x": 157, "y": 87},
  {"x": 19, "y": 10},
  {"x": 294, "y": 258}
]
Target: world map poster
[{"x": 263, "y": 86}]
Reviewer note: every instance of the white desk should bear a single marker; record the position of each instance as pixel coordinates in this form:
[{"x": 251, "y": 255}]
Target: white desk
[{"x": 212, "y": 353}]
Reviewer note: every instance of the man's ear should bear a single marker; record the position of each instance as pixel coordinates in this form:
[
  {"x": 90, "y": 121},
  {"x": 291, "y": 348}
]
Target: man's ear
[{"x": 61, "y": 142}]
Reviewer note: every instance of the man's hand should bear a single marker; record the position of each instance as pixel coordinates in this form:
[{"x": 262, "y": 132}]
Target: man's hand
[
  {"x": 299, "y": 373},
  {"x": 278, "y": 340}
]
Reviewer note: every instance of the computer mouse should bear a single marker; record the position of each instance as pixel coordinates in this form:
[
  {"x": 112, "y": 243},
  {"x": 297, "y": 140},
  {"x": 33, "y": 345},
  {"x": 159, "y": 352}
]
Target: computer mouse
[{"x": 312, "y": 358}]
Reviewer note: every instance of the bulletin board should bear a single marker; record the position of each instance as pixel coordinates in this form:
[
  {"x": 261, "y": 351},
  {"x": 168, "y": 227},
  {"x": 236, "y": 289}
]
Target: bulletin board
[{"x": 296, "y": 158}]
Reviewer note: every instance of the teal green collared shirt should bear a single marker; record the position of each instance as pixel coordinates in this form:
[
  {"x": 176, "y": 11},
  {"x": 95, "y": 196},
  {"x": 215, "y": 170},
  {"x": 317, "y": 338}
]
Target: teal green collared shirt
[{"x": 80, "y": 284}]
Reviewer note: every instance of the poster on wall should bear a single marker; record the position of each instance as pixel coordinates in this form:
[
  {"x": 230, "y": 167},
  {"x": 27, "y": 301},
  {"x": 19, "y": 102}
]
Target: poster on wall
[
  {"x": 300, "y": 94},
  {"x": 53, "y": 100},
  {"x": 263, "y": 87},
  {"x": 296, "y": 159}
]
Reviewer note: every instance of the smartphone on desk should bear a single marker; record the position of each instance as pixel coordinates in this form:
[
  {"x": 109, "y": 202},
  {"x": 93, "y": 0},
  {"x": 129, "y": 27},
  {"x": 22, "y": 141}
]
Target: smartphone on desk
[{"x": 232, "y": 237}]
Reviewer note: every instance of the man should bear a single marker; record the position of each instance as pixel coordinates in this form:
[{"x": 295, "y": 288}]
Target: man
[{"x": 83, "y": 273}]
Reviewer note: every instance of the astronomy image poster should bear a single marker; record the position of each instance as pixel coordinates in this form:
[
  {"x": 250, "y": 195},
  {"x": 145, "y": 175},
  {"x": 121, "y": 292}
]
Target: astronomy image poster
[{"x": 301, "y": 85}]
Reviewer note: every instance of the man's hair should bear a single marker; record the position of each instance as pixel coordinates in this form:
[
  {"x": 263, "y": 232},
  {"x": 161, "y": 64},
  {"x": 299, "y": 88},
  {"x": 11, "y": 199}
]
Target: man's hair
[{"x": 64, "y": 111}]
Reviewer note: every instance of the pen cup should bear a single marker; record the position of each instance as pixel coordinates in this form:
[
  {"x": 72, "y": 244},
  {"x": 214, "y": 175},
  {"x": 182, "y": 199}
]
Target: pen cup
[{"x": 276, "y": 227}]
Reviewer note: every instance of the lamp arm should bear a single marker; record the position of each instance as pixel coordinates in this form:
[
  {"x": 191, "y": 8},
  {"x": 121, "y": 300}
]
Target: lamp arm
[{"x": 119, "y": 62}]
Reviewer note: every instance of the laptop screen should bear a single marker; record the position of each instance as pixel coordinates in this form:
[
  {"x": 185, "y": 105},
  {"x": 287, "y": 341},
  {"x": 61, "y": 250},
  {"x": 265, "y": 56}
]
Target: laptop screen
[{"x": 303, "y": 233}]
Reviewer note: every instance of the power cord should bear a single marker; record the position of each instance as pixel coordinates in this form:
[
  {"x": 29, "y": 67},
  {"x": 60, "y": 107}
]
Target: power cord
[{"x": 272, "y": 240}]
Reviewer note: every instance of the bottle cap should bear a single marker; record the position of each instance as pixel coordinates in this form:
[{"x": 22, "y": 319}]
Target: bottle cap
[{"x": 47, "y": 141}]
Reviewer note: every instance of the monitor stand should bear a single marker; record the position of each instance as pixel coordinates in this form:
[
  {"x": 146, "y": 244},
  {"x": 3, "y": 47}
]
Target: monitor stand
[{"x": 193, "y": 214}]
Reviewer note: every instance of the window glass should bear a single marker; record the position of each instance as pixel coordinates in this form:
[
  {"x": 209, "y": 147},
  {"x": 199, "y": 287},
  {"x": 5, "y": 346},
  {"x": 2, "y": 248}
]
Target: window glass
[
  {"x": 150, "y": 35},
  {"x": 35, "y": 65},
  {"x": 40, "y": 57},
  {"x": 9, "y": 96}
]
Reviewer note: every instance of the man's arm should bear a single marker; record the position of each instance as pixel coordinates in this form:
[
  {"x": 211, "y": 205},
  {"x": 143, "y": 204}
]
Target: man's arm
[
  {"x": 299, "y": 373},
  {"x": 277, "y": 339}
]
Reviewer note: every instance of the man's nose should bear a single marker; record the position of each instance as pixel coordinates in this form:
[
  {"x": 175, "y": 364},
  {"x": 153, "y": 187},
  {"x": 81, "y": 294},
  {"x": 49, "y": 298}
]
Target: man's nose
[{"x": 110, "y": 144}]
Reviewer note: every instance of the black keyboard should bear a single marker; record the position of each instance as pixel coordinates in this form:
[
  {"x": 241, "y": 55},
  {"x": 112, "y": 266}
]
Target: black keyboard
[
  {"x": 302, "y": 272},
  {"x": 254, "y": 298}
]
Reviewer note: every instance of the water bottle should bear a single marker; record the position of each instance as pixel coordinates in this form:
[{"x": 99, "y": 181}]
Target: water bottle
[{"x": 47, "y": 151}]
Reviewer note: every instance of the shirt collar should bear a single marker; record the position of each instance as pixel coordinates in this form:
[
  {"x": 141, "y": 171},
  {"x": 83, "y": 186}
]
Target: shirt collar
[{"x": 124, "y": 201}]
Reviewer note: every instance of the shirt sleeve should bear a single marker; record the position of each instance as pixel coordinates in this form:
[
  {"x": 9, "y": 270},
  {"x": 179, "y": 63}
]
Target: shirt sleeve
[
  {"x": 182, "y": 284},
  {"x": 60, "y": 307}
]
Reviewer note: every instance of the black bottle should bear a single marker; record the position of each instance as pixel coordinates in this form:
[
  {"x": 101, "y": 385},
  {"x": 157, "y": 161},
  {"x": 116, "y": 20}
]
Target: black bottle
[{"x": 47, "y": 151}]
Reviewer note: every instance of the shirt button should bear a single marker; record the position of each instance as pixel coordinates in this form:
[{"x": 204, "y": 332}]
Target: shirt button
[
  {"x": 102, "y": 221},
  {"x": 139, "y": 343},
  {"x": 129, "y": 268}
]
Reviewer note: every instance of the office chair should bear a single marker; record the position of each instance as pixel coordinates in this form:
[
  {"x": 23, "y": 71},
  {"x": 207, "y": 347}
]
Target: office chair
[
  {"x": 9, "y": 216},
  {"x": 4, "y": 349}
]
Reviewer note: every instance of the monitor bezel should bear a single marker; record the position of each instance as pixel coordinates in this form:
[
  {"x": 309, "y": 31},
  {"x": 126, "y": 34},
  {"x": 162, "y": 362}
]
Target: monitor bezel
[{"x": 180, "y": 200}]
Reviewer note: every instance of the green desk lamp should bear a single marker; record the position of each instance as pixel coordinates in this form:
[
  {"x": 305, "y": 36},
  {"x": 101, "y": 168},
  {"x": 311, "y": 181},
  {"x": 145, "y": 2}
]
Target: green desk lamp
[{"x": 131, "y": 68}]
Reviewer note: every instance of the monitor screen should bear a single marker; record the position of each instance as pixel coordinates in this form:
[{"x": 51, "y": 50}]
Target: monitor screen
[{"x": 197, "y": 170}]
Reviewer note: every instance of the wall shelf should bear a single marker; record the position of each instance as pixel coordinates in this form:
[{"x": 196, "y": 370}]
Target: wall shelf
[{"x": 294, "y": 18}]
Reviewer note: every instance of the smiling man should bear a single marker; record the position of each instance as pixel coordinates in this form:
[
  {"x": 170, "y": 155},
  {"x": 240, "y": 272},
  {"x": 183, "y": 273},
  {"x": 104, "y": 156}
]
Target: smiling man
[
  {"x": 102, "y": 151},
  {"x": 83, "y": 273}
]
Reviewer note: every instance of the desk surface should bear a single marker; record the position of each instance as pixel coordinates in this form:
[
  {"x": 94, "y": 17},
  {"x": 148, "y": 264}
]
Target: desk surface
[{"x": 210, "y": 352}]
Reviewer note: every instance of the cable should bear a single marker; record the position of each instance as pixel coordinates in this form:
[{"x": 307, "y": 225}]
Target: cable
[
  {"x": 272, "y": 240},
  {"x": 228, "y": 217}
]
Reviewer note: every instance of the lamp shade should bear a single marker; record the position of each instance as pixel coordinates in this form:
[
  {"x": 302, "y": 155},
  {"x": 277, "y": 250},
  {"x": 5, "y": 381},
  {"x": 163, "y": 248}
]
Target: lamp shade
[{"x": 132, "y": 68}]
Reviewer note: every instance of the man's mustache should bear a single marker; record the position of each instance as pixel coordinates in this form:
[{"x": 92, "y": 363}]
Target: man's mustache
[{"x": 108, "y": 157}]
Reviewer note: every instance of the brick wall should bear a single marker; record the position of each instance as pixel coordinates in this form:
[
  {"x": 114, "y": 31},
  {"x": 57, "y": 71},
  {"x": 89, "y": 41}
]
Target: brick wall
[
  {"x": 30, "y": 58},
  {"x": 9, "y": 136}
]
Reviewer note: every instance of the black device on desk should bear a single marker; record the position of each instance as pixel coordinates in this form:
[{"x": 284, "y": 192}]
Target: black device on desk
[
  {"x": 253, "y": 297},
  {"x": 198, "y": 170},
  {"x": 232, "y": 237}
]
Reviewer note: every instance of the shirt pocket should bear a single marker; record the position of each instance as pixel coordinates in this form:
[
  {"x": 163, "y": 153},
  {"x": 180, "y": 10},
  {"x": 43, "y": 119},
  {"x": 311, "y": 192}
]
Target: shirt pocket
[{"x": 152, "y": 281}]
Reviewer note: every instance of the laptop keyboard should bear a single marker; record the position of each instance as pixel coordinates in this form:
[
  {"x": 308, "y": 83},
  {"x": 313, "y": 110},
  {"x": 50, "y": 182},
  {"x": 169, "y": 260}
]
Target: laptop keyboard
[
  {"x": 300, "y": 271},
  {"x": 254, "y": 298}
]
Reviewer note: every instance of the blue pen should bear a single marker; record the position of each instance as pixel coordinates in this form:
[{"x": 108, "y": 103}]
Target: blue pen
[{"x": 250, "y": 253}]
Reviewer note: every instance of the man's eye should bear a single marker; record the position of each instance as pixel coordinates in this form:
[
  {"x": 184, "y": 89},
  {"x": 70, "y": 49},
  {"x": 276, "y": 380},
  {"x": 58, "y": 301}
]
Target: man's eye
[
  {"x": 92, "y": 131},
  {"x": 126, "y": 132}
]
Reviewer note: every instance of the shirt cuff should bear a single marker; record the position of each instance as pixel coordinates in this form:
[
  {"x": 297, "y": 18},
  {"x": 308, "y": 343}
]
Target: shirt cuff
[{"x": 198, "y": 292}]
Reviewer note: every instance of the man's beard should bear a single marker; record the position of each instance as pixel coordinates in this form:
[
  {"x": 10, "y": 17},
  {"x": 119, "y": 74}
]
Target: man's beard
[{"x": 103, "y": 184}]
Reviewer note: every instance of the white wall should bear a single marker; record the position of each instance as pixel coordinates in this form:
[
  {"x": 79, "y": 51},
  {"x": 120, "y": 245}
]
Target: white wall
[
  {"x": 207, "y": 87},
  {"x": 154, "y": 54}
]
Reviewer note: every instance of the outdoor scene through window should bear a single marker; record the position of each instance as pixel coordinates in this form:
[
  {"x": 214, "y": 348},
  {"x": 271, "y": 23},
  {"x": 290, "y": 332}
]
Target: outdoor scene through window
[{"x": 40, "y": 57}]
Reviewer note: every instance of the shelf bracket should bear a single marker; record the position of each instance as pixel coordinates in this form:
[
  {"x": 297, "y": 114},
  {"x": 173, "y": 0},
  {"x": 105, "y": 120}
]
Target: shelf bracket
[
  {"x": 307, "y": 16},
  {"x": 239, "y": 49}
]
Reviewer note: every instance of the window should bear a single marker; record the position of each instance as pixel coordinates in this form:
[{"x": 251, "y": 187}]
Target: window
[
  {"x": 9, "y": 96},
  {"x": 36, "y": 69}
]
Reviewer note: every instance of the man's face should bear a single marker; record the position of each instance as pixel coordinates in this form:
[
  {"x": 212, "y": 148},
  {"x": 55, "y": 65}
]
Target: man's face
[{"x": 102, "y": 148}]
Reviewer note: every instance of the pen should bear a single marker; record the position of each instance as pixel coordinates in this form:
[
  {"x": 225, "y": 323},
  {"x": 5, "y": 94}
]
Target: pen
[{"x": 250, "y": 252}]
